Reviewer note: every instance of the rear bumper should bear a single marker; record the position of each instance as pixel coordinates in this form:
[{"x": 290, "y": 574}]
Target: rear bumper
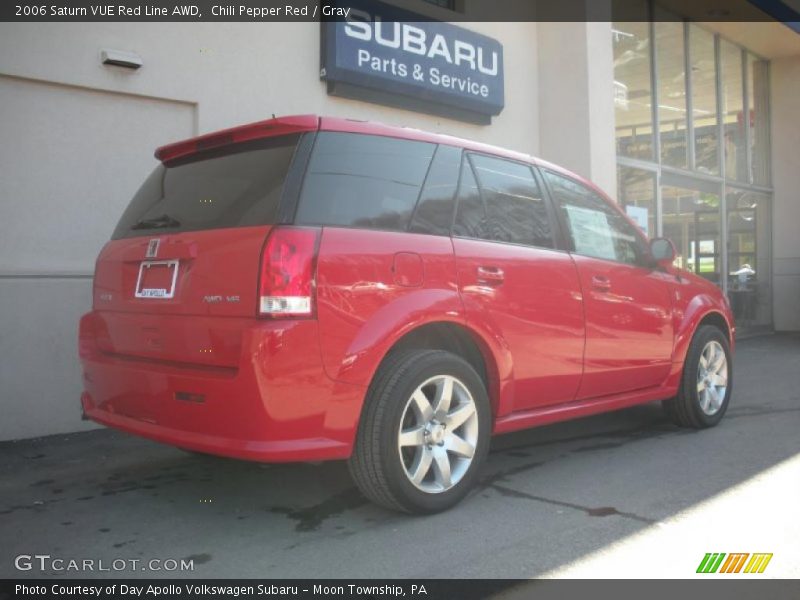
[{"x": 277, "y": 405}]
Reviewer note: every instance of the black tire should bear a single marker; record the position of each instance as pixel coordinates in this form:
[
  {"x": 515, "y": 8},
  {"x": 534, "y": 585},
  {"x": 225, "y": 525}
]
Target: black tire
[
  {"x": 376, "y": 464},
  {"x": 685, "y": 408}
]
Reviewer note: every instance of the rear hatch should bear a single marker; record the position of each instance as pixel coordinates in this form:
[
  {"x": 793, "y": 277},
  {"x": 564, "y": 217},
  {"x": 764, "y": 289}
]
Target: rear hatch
[{"x": 178, "y": 280}]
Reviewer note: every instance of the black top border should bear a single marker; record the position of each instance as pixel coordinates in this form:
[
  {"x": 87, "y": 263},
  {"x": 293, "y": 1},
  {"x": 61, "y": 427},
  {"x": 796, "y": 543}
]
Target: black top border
[{"x": 265, "y": 11}]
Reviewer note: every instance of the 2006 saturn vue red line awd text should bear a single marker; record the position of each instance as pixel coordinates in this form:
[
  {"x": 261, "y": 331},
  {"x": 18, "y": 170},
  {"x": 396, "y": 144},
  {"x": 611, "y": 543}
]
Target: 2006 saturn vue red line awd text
[{"x": 309, "y": 288}]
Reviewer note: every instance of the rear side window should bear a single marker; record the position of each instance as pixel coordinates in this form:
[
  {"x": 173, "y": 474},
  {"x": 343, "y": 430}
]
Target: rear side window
[
  {"x": 237, "y": 186},
  {"x": 500, "y": 200},
  {"x": 594, "y": 228},
  {"x": 364, "y": 181},
  {"x": 434, "y": 213}
]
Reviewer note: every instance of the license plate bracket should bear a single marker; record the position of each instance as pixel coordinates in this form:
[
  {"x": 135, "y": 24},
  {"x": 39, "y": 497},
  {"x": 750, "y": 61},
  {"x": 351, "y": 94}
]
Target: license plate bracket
[{"x": 156, "y": 279}]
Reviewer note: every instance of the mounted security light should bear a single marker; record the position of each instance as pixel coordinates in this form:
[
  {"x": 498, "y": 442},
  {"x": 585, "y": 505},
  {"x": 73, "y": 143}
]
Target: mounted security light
[{"x": 120, "y": 58}]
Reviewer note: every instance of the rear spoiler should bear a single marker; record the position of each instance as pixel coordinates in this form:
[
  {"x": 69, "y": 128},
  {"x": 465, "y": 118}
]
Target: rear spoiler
[{"x": 244, "y": 133}]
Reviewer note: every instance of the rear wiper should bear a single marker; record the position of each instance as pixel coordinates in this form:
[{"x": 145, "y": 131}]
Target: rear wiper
[{"x": 162, "y": 222}]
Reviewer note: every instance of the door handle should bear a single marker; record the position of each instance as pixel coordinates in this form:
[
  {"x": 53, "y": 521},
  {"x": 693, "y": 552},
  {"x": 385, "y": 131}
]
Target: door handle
[
  {"x": 491, "y": 275},
  {"x": 601, "y": 282}
]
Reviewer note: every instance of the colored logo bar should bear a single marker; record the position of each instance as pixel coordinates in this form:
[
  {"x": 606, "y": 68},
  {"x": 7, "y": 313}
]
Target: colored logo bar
[{"x": 713, "y": 562}]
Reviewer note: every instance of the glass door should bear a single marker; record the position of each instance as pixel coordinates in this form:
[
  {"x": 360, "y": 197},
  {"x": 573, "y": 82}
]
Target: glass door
[
  {"x": 749, "y": 243},
  {"x": 692, "y": 220}
]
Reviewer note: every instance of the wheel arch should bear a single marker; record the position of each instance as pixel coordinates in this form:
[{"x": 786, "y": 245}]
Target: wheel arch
[
  {"x": 459, "y": 339},
  {"x": 703, "y": 314}
]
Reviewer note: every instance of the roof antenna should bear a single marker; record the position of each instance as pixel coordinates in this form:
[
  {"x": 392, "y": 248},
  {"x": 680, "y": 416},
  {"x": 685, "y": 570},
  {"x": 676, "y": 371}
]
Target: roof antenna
[{"x": 273, "y": 115}]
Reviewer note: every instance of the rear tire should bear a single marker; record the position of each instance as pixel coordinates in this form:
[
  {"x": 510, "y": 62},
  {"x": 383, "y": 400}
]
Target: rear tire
[
  {"x": 424, "y": 432},
  {"x": 707, "y": 381}
]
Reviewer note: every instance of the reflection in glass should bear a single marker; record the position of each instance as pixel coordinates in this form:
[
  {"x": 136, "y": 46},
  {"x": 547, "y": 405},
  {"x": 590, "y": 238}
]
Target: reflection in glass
[
  {"x": 733, "y": 110},
  {"x": 671, "y": 93},
  {"x": 704, "y": 100},
  {"x": 637, "y": 195},
  {"x": 749, "y": 257},
  {"x": 692, "y": 222},
  {"x": 632, "y": 90},
  {"x": 758, "y": 100}
]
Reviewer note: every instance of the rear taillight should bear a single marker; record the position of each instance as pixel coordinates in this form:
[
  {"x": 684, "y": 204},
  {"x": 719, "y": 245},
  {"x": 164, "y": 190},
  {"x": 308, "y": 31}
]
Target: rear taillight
[{"x": 286, "y": 284}]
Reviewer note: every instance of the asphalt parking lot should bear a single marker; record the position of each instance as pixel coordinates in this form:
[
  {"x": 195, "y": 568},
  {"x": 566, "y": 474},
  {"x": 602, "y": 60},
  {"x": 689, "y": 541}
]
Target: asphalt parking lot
[{"x": 550, "y": 499}]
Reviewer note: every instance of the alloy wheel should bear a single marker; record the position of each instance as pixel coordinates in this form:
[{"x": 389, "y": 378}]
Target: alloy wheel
[
  {"x": 712, "y": 378},
  {"x": 438, "y": 434}
]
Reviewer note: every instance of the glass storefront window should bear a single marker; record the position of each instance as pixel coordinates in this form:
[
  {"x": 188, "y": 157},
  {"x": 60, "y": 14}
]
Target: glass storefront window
[
  {"x": 671, "y": 86},
  {"x": 749, "y": 242},
  {"x": 704, "y": 100},
  {"x": 692, "y": 222},
  {"x": 636, "y": 189},
  {"x": 707, "y": 99},
  {"x": 733, "y": 111},
  {"x": 758, "y": 101},
  {"x": 632, "y": 93}
]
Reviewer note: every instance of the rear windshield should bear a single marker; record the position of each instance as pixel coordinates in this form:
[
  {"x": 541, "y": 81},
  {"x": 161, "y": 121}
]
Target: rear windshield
[{"x": 234, "y": 187}]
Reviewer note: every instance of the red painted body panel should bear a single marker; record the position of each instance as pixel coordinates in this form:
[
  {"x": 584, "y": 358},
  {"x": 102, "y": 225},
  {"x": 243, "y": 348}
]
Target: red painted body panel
[
  {"x": 536, "y": 308},
  {"x": 363, "y": 311},
  {"x": 201, "y": 371},
  {"x": 276, "y": 404},
  {"x": 629, "y": 327}
]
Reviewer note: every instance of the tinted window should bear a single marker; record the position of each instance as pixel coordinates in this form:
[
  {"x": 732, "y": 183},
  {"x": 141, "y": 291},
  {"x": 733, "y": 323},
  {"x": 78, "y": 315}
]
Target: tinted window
[
  {"x": 501, "y": 201},
  {"x": 356, "y": 180},
  {"x": 434, "y": 213},
  {"x": 470, "y": 214},
  {"x": 235, "y": 187},
  {"x": 593, "y": 227}
]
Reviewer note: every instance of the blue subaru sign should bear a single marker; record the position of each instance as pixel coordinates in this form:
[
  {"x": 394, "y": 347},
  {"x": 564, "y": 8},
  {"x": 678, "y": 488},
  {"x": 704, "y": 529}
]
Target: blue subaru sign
[{"x": 383, "y": 48}]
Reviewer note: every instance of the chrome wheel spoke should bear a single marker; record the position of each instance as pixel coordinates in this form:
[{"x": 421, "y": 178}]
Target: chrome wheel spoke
[
  {"x": 718, "y": 360},
  {"x": 424, "y": 408},
  {"x": 412, "y": 437},
  {"x": 421, "y": 466},
  {"x": 441, "y": 468},
  {"x": 705, "y": 400},
  {"x": 459, "y": 446},
  {"x": 701, "y": 386},
  {"x": 460, "y": 416},
  {"x": 715, "y": 401},
  {"x": 444, "y": 396},
  {"x": 719, "y": 380}
]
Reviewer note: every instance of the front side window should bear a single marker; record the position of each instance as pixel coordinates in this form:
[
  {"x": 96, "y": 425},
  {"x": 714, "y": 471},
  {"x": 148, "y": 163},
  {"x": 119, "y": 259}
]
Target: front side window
[
  {"x": 499, "y": 200},
  {"x": 593, "y": 227}
]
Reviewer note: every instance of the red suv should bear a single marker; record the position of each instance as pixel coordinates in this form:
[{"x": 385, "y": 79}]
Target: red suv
[{"x": 311, "y": 288}]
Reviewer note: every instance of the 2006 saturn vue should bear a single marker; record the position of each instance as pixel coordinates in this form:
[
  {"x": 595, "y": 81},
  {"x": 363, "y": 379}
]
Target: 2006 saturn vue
[{"x": 309, "y": 288}]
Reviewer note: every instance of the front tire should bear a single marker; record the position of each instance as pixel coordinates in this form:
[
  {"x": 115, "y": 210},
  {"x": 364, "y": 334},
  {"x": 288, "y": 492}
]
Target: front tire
[
  {"x": 707, "y": 381},
  {"x": 424, "y": 433}
]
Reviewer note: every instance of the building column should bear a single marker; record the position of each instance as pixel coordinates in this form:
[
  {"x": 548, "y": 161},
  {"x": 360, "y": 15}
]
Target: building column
[
  {"x": 576, "y": 99},
  {"x": 785, "y": 79}
]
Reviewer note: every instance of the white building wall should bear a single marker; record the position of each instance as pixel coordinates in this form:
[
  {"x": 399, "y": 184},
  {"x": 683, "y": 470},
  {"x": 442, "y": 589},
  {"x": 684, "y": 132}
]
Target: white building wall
[
  {"x": 576, "y": 99},
  {"x": 77, "y": 138}
]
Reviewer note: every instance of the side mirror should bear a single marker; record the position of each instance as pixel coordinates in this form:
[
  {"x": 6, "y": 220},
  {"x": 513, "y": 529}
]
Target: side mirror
[{"x": 663, "y": 251}]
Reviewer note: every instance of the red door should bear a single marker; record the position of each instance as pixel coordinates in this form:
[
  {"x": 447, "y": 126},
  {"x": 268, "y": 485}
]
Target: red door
[
  {"x": 529, "y": 298},
  {"x": 628, "y": 304},
  {"x": 629, "y": 332},
  {"x": 514, "y": 283}
]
